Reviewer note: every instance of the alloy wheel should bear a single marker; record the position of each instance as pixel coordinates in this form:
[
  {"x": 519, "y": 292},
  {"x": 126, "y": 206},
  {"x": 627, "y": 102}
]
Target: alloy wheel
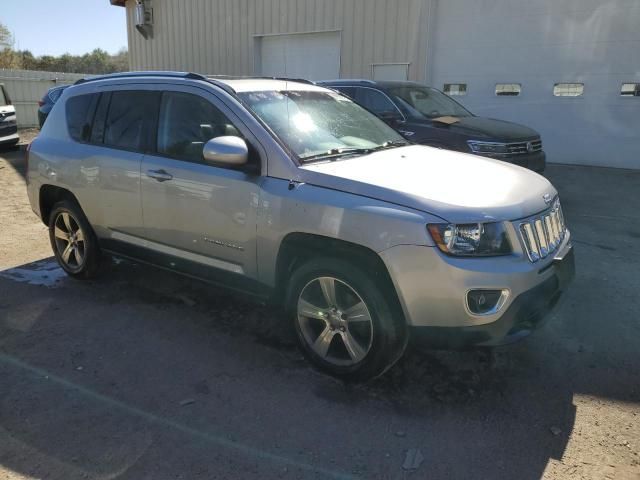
[
  {"x": 69, "y": 240},
  {"x": 335, "y": 321}
]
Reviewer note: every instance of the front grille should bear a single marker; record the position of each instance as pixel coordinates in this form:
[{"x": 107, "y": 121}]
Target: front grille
[
  {"x": 542, "y": 234},
  {"x": 520, "y": 148}
]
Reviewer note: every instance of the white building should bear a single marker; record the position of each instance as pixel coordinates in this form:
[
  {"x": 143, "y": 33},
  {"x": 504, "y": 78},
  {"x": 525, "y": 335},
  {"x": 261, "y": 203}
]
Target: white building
[{"x": 575, "y": 64}]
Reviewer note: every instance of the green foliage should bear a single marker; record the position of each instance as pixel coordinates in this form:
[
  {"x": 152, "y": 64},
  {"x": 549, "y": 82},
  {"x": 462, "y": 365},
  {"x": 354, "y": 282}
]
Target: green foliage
[
  {"x": 96, "y": 62},
  {"x": 6, "y": 39}
]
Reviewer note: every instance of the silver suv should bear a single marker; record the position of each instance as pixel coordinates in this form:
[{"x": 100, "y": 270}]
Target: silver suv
[{"x": 292, "y": 192}]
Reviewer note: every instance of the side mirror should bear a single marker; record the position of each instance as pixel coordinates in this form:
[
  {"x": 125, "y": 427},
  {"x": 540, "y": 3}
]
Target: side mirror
[
  {"x": 231, "y": 151},
  {"x": 391, "y": 117}
]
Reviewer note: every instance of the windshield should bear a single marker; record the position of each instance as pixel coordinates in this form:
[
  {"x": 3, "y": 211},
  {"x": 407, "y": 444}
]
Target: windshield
[
  {"x": 316, "y": 124},
  {"x": 427, "y": 102},
  {"x": 3, "y": 99}
]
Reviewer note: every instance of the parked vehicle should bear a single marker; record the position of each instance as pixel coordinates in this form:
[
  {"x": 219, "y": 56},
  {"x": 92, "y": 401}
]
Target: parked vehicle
[
  {"x": 46, "y": 104},
  {"x": 292, "y": 192},
  {"x": 8, "y": 123},
  {"x": 427, "y": 116}
]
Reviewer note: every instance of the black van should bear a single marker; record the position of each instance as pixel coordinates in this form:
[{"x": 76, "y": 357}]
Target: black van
[{"x": 427, "y": 116}]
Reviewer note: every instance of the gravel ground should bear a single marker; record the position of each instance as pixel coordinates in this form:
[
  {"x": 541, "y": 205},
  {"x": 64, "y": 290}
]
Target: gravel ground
[
  {"x": 27, "y": 135},
  {"x": 142, "y": 374}
]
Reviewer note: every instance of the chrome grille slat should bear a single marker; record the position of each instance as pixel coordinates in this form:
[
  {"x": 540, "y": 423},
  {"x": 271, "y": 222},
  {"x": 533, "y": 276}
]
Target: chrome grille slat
[
  {"x": 542, "y": 234},
  {"x": 519, "y": 148}
]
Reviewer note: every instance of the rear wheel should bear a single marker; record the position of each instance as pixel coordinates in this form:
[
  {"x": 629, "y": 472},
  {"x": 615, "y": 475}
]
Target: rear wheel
[
  {"x": 344, "y": 321},
  {"x": 73, "y": 241}
]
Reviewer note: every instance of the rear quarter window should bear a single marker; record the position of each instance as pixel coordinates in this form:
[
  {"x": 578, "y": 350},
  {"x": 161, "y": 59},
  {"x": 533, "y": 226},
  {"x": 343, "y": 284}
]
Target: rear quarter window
[{"x": 80, "y": 112}]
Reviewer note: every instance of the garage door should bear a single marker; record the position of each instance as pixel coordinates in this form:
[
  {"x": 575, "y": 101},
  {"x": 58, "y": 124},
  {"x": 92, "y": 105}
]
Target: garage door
[{"x": 314, "y": 56}]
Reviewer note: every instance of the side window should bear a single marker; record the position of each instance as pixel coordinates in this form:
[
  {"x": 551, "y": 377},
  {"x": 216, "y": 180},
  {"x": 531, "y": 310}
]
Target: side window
[
  {"x": 131, "y": 113},
  {"x": 97, "y": 132},
  {"x": 80, "y": 111},
  {"x": 375, "y": 101},
  {"x": 186, "y": 123}
]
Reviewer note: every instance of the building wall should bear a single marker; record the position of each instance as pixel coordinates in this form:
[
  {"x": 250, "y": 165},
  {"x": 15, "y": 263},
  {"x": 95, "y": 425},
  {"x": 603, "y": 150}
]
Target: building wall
[
  {"x": 477, "y": 42},
  {"x": 538, "y": 44},
  {"x": 220, "y": 36}
]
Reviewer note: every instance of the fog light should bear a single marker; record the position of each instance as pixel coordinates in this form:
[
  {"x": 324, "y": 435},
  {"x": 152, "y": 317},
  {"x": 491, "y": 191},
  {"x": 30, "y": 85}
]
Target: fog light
[{"x": 486, "y": 302}]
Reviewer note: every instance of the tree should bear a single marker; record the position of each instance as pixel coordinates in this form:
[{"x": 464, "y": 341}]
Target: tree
[
  {"x": 6, "y": 39},
  {"x": 8, "y": 58},
  {"x": 96, "y": 62}
]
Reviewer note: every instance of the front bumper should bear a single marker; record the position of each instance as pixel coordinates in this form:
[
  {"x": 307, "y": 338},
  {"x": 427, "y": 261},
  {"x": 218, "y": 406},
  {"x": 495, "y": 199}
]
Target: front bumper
[
  {"x": 432, "y": 288},
  {"x": 526, "y": 314},
  {"x": 8, "y": 132},
  {"x": 536, "y": 161}
]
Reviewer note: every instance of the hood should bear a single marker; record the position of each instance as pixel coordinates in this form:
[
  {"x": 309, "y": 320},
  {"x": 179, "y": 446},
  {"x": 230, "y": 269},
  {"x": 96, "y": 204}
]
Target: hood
[
  {"x": 490, "y": 128},
  {"x": 456, "y": 187},
  {"x": 5, "y": 109}
]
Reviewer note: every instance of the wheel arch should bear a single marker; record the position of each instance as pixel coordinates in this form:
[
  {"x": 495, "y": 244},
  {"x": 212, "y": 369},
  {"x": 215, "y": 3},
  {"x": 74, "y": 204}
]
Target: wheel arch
[
  {"x": 49, "y": 195},
  {"x": 298, "y": 247}
]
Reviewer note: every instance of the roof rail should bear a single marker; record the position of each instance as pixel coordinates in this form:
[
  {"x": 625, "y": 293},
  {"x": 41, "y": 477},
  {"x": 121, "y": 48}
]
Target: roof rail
[
  {"x": 258, "y": 77},
  {"x": 287, "y": 79},
  {"x": 189, "y": 75},
  {"x": 348, "y": 80}
]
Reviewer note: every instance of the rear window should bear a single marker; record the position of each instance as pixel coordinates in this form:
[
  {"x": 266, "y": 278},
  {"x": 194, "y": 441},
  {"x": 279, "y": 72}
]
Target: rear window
[
  {"x": 80, "y": 112},
  {"x": 130, "y": 115},
  {"x": 54, "y": 94},
  {"x": 348, "y": 91}
]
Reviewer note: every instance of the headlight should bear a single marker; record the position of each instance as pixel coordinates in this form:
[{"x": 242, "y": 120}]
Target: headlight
[
  {"x": 487, "y": 147},
  {"x": 472, "y": 239}
]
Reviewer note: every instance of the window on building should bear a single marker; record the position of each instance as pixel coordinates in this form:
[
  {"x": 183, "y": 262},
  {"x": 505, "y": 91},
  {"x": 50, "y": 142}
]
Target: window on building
[
  {"x": 630, "y": 90},
  {"x": 568, "y": 89},
  {"x": 375, "y": 101},
  {"x": 131, "y": 115},
  {"x": 455, "y": 89},
  {"x": 508, "y": 89},
  {"x": 80, "y": 110},
  {"x": 186, "y": 123}
]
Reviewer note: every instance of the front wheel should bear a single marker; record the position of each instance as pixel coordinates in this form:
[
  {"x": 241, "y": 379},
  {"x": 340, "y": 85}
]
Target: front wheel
[
  {"x": 73, "y": 241},
  {"x": 346, "y": 323}
]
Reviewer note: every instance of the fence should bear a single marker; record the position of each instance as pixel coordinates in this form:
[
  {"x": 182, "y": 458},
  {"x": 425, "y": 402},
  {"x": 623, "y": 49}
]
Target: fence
[{"x": 27, "y": 87}]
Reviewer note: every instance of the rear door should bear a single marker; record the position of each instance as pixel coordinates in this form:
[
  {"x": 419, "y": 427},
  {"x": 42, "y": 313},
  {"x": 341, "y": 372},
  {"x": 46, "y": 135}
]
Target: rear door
[
  {"x": 123, "y": 127},
  {"x": 197, "y": 214}
]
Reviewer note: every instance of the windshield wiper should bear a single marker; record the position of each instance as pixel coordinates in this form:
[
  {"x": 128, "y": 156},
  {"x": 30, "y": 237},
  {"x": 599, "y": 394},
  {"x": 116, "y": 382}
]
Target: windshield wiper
[
  {"x": 391, "y": 144},
  {"x": 336, "y": 153}
]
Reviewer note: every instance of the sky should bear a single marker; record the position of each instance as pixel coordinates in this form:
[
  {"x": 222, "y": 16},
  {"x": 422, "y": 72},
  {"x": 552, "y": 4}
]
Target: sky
[{"x": 54, "y": 27}]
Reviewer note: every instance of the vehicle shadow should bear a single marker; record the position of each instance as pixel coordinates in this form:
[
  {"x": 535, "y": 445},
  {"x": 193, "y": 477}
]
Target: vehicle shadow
[
  {"x": 145, "y": 374},
  {"x": 501, "y": 414},
  {"x": 15, "y": 157}
]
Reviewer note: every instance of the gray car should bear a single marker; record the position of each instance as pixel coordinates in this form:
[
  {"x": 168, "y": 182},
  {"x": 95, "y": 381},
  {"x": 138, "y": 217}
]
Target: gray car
[{"x": 293, "y": 193}]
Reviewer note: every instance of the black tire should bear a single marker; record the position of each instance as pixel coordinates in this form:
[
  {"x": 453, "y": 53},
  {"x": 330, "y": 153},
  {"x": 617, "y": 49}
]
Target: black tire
[
  {"x": 86, "y": 243},
  {"x": 387, "y": 326}
]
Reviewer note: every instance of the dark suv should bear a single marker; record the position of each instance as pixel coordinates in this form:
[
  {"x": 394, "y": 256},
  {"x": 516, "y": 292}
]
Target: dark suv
[{"x": 427, "y": 116}]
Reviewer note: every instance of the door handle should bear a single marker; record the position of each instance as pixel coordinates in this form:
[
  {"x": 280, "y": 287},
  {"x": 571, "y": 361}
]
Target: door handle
[{"x": 159, "y": 175}]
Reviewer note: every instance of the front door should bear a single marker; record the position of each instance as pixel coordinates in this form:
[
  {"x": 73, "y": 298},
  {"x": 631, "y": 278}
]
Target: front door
[{"x": 196, "y": 214}]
